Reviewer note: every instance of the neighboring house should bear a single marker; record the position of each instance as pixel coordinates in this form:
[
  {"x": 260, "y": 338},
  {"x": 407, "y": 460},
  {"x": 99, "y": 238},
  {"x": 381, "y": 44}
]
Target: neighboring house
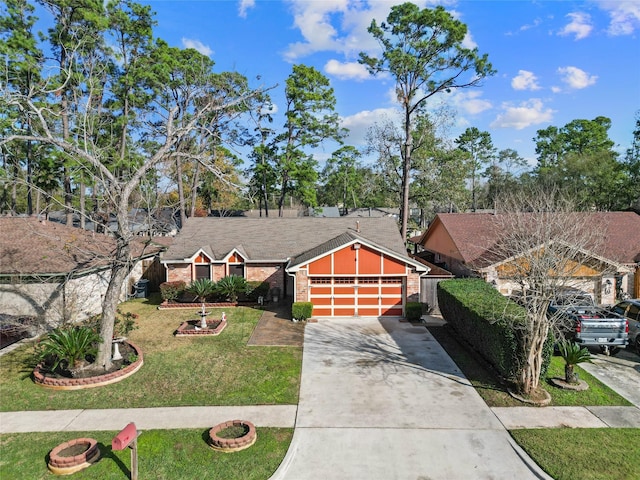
[
  {"x": 344, "y": 266},
  {"x": 462, "y": 242},
  {"x": 56, "y": 273}
]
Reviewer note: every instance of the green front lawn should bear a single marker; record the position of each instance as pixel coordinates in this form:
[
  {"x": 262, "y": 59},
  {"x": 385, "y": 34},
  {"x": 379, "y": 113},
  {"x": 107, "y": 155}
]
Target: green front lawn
[
  {"x": 220, "y": 370},
  {"x": 584, "y": 454},
  {"x": 162, "y": 454}
]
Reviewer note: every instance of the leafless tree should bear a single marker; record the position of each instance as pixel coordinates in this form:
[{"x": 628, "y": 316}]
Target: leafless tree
[{"x": 544, "y": 247}]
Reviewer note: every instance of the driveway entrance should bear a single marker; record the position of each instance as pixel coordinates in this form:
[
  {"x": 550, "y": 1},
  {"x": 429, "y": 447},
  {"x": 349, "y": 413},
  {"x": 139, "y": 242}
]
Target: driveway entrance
[{"x": 380, "y": 399}]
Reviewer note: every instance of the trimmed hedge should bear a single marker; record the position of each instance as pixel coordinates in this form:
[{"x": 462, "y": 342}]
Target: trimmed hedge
[
  {"x": 487, "y": 320},
  {"x": 301, "y": 310},
  {"x": 413, "y": 311}
]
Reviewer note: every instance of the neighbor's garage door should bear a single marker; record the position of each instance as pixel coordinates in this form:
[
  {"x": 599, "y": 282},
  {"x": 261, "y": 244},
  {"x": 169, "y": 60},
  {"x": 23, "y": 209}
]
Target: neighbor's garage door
[{"x": 356, "y": 296}]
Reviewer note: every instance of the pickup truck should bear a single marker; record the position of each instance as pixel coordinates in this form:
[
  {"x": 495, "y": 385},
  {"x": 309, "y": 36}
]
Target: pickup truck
[{"x": 587, "y": 324}]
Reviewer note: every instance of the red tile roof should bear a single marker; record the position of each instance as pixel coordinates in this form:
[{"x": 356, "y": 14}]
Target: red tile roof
[{"x": 475, "y": 233}]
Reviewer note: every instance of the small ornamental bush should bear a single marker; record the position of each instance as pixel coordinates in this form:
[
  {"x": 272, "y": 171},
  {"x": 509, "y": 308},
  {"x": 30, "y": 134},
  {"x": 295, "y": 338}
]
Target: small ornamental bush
[
  {"x": 67, "y": 347},
  {"x": 125, "y": 322},
  {"x": 301, "y": 310},
  {"x": 231, "y": 287},
  {"x": 170, "y": 291},
  {"x": 202, "y": 288},
  {"x": 413, "y": 311}
]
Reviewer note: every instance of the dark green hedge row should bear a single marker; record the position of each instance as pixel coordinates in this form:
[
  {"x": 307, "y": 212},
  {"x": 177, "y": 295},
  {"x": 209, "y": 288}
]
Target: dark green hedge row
[{"x": 487, "y": 320}]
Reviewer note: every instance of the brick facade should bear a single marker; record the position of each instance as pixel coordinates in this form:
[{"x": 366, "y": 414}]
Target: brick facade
[{"x": 413, "y": 287}]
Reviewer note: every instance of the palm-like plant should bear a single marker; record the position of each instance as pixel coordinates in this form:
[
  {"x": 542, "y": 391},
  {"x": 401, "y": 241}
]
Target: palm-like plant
[
  {"x": 68, "y": 346},
  {"x": 572, "y": 354},
  {"x": 202, "y": 288},
  {"x": 232, "y": 286}
]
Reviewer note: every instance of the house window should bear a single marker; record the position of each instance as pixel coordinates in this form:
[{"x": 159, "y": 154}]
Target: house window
[
  {"x": 203, "y": 271},
  {"x": 237, "y": 270},
  {"x": 389, "y": 280},
  {"x": 320, "y": 280},
  {"x": 344, "y": 280}
]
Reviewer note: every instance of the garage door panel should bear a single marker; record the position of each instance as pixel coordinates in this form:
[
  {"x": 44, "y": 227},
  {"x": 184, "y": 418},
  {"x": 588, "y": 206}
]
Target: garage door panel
[
  {"x": 343, "y": 300},
  {"x": 369, "y": 312},
  {"x": 321, "y": 300},
  {"x": 343, "y": 291},
  {"x": 368, "y": 300},
  {"x": 321, "y": 312},
  {"x": 391, "y": 311},
  {"x": 320, "y": 290},
  {"x": 362, "y": 290},
  {"x": 392, "y": 290},
  {"x": 344, "y": 312}
]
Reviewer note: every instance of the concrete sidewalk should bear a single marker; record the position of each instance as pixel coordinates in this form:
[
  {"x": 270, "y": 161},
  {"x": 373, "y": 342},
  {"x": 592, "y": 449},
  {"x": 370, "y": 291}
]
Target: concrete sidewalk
[{"x": 281, "y": 416}]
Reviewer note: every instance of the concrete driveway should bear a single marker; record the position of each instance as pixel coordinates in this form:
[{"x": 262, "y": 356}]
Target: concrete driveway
[
  {"x": 620, "y": 372},
  {"x": 382, "y": 400}
]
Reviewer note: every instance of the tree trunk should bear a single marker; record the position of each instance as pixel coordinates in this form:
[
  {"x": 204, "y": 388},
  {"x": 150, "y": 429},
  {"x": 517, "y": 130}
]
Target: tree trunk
[
  {"x": 119, "y": 271},
  {"x": 569, "y": 374},
  {"x": 406, "y": 171},
  {"x": 194, "y": 190}
]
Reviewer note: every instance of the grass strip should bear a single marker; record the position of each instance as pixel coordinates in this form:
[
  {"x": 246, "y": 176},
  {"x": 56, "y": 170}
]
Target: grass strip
[
  {"x": 494, "y": 391},
  {"x": 162, "y": 454},
  {"x": 584, "y": 454}
]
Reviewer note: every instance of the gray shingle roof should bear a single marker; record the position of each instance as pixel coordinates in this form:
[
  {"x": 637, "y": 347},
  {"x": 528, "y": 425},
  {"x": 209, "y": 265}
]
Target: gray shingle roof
[{"x": 278, "y": 239}]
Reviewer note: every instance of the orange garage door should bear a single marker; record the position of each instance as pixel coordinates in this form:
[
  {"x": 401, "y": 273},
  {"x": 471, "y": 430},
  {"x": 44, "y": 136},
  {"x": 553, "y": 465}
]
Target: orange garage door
[{"x": 356, "y": 296}]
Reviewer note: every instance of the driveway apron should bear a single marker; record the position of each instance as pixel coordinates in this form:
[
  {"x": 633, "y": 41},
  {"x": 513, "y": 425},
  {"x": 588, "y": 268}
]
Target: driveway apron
[{"x": 381, "y": 399}]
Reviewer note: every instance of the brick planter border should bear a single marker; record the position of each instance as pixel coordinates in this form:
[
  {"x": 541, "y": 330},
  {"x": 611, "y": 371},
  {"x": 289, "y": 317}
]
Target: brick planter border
[
  {"x": 166, "y": 305},
  {"x": 228, "y": 445},
  {"x": 192, "y": 332},
  {"x": 60, "y": 465},
  {"x": 81, "y": 383}
]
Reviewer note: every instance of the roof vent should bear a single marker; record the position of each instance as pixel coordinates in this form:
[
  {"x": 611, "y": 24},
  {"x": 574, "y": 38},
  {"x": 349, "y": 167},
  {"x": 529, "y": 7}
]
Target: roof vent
[{"x": 357, "y": 226}]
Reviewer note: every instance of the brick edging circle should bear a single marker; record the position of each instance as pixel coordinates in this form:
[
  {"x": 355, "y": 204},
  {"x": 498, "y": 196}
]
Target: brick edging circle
[
  {"x": 232, "y": 444},
  {"x": 60, "y": 465},
  {"x": 98, "y": 381}
]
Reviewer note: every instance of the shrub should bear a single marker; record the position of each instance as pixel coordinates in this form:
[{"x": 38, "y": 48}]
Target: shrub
[
  {"x": 488, "y": 321},
  {"x": 67, "y": 347},
  {"x": 301, "y": 310},
  {"x": 231, "y": 287},
  {"x": 172, "y": 290},
  {"x": 125, "y": 322},
  {"x": 414, "y": 311},
  {"x": 202, "y": 288}
]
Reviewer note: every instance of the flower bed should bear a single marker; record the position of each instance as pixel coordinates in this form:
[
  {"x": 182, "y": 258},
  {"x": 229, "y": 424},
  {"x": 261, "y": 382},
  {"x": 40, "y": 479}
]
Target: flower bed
[
  {"x": 167, "y": 305},
  {"x": 234, "y": 443},
  {"x": 40, "y": 377},
  {"x": 192, "y": 328},
  {"x": 73, "y": 456}
]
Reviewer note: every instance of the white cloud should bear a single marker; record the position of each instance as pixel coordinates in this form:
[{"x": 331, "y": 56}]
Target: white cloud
[
  {"x": 197, "y": 45},
  {"x": 338, "y": 26},
  {"x": 469, "y": 101},
  {"x": 624, "y": 15},
  {"x": 525, "y": 80},
  {"x": 576, "y": 78},
  {"x": 346, "y": 70},
  {"x": 524, "y": 115},
  {"x": 245, "y": 5},
  {"x": 360, "y": 123},
  {"x": 580, "y": 26},
  {"x": 468, "y": 42}
]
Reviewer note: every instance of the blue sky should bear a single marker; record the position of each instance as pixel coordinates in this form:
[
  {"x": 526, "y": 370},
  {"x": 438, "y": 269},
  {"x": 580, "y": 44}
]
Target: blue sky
[{"x": 556, "y": 61}]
